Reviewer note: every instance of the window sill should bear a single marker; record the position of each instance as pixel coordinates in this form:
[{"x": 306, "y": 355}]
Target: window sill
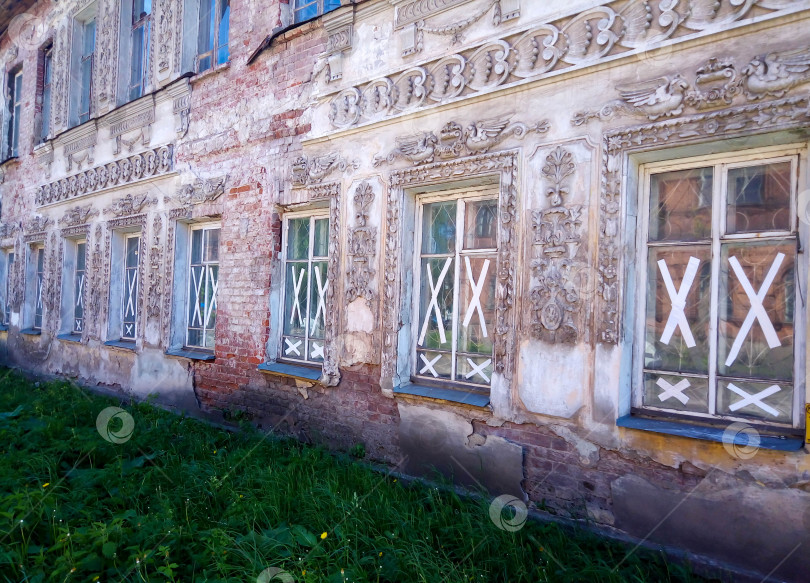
[
  {"x": 70, "y": 337},
  {"x": 192, "y": 354},
  {"x": 294, "y": 371},
  {"x": 31, "y": 331},
  {"x": 124, "y": 344},
  {"x": 444, "y": 394},
  {"x": 707, "y": 433},
  {"x": 9, "y": 159},
  {"x": 210, "y": 72}
]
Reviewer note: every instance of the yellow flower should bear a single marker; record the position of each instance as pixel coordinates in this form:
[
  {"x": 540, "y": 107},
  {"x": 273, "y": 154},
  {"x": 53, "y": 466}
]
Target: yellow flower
[
  {"x": 304, "y": 572},
  {"x": 73, "y": 570},
  {"x": 323, "y": 535},
  {"x": 46, "y": 484},
  {"x": 381, "y": 554},
  {"x": 95, "y": 578}
]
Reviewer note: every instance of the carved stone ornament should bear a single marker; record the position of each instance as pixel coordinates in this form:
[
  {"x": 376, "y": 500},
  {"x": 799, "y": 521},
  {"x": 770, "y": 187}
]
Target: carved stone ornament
[
  {"x": 154, "y": 162},
  {"x": 52, "y": 288},
  {"x": 717, "y": 83},
  {"x": 78, "y": 215},
  {"x": 588, "y": 37},
  {"x": 202, "y": 191},
  {"x": 140, "y": 123},
  {"x": 747, "y": 120},
  {"x": 502, "y": 164},
  {"x": 8, "y": 230},
  {"x": 330, "y": 376},
  {"x": 557, "y": 238},
  {"x": 362, "y": 247},
  {"x": 37, "y": 224},
  {"x": 454, "y": 141},
  {"x": 323, "y": 191},
  {"x": 130, "y": 204},
  {"x": 153, "y": 303},
  {"x": 306, "y": 171}
]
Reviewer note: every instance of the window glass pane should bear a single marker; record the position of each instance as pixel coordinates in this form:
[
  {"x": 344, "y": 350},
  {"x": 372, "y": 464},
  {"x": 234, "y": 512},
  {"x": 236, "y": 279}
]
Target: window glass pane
[
  {"x": 17, "y": 87},
  {"x": 212, "y": 245},
  {"x": 476, "y": 304},
  {"x": 763, "y": 400},
  {"x": 759, "y": 198},
  {"x": 210, "y": 301},
  {"x": 196, "y": 302},
  {"x": 317, "y": 310},
  {"x": 89, "y": 38},
  {"x": 321, "y": 242},
  {"x": 141, "y": 8},
  {"x": 678, "y": 309},
  {"x": 481, "y": 224},
  {"x": 439, "y": 228},
  {"x": 436, "y": 303},
  {"x": 136, "y": 64},
  {"x": 756, "y": 310},
  {"x": 78, "y": 289},
  {"x": 84, "y": 98},
  {"x": 676, "y": 392},
  {"x": 295, "y": 299},
  {"x": 224, "y": 22},
  {"x": 681, "y": 205},
  {"x": 298, "y": 239},
  {"x": 38, "y": 306},
  {"x": 330, "y": 5},
  {"x": 46, "y": 96},
  {"x": 306, "y": 11},
  {"x": 437, "y": 365},
  {"x": 474, "y": 369},
  {"x": 7, "y": 306},
  {"x": 196, "y": 246},
  {"x": 132, "y": 251},
  {"x": 205, "y": 37}
]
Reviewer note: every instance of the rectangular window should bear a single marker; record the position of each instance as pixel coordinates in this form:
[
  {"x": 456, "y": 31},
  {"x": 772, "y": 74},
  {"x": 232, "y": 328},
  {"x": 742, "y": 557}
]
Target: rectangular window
[
  {"x": 141, "y": 32},
  {"x": 308, "y": 9},
  {"x": 47, "y": 72},
  {"x": 129, "y": 305},
  {"x": 88, "y": 44},
  {"x": 454, "y": 279},
  {"x": 8, "y": 290},
  {"x": 305, "y": 287},
  {"x": 15, "y": 111},
  {"x": 720, "y": 250},
  {"x": 212, "y": 36},
  {"x": 40, "y": 269},
  {"x": 202, "y": 287},
  {"x": 78, "y": 287}
]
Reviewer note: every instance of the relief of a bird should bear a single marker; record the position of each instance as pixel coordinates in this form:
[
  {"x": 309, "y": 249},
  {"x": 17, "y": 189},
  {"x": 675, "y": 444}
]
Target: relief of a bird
[
  {"x": 418, "y": 148},
  {"x": 777, "y": 72},
  {"x": 661, "y": 97},
  {"x": 482, "y": 135}
]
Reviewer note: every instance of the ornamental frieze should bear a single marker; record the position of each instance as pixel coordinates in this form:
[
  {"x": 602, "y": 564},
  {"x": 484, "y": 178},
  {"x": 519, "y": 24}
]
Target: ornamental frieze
[{"x": 149, "y": 164}]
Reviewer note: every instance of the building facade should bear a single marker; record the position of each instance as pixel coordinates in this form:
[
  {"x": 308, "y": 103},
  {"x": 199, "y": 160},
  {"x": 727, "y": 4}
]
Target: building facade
[{"x": 555, "y": 249}]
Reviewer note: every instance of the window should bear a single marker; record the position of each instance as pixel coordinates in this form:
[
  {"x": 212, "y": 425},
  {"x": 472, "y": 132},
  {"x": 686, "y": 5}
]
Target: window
[
  {"x": 720, "y": 318},
  {"x": 129, "y": 304},
  {"x": 47, "y": 73},
  {"x": 212, "y": 36},
  {"x": 454, "y": 279},
  {"x": 305, "y": 288},
  {"x": 15, "y": 111},
  {"x": 8, "y": 290},
  {"x": 141, "y": 31},
  {"x": 88, "y": 43},
  {"x": 307, "y": 9},
  {"x": 202, "y": 287},
  {"x": 78, "y": 287},
  {"x": 39, "y": 258}
]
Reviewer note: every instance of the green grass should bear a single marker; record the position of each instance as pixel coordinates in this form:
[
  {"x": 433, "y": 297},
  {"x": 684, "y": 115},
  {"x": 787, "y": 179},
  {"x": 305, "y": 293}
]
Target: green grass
[{"x": 182, "y": 501}]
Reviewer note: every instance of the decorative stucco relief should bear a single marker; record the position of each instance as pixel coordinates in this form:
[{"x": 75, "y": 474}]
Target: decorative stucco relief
[
  {"x": 557, "y": 238},
  {"x": 306, "y": 171},
  {"x": 107, "y": 51},
  {"x": 716, "y": 83},
  {"x": 61, "y": 76},
  {"x": 78, "y": 215},
  {"x": 623, "y": 27},
  {"x": 17, "y": 294},
  {"x": 505, "y": 166},
  {"x": 35, "y": 228},
  {"x": 154, "y": 162},
  {"x": 138, "y": 125},
  {"x": 52, "y": 290},
  {"x": 168, "y": 276},
  {"x": 80, "y": 151},
  {"x": 454, "y": 141},
  {"x": 362, "y": 247},
  {"x": 202, "y": 191},
  {"x": 155, "y": 269},
  {"x": 330, "y": 376},
  {"x": 324, "y": 191},
  {"x": 131, "y": 204},
  {"x": 788, "y": 113}
]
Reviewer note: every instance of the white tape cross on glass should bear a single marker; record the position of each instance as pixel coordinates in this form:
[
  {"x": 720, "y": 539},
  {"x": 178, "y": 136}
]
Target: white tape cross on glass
[
  {"x": 755, "y": 399},
  {"x": 757, "y": 310},
  {"x": 674, "y": 391},
  {"x": 677, "y": 316}
]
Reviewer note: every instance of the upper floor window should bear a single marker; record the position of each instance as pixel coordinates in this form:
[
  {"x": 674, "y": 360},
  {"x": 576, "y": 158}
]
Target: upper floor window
[
  {"x": 86, "y": 70},
  {"x": 15, "y": 111},
  {"x": 141, "y": 34},
  {"x": 454, "y": 283},
  {"x": 720, "y": 317},
  {"x": 203, "y": 280},
  {"x": 307, "y": 9},
  {"x": 305, "y": 288},
  {"x": 47, "y": 73},
  {"x": 212, "y": 36}
]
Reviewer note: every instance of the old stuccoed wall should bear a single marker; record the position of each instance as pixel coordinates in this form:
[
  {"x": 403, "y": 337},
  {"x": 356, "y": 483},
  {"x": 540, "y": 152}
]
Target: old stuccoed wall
[{"x": 333, "y": 106}]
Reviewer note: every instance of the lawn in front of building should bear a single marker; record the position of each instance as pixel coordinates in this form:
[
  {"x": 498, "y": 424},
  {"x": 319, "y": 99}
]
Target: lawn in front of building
[{"x": 93, "y": 494}]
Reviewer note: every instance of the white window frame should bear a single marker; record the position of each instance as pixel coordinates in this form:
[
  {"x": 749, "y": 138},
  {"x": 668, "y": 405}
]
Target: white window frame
[
  {"x": 78, "y": 295},
  {"x": 466, "y": 194},
  {"x": 33, "y": 291},
  {"x": 213, "y": 53},
  {"x": 296, "y": 9},
  {"x": 77, "y": 60},
  {"x": 312, "y": 215},
  {"x": 15, "y": 80},
  {"x": 188, "y": 318},
  {"x": 145, "y": 23},
  {"x": 128, "y": 286},
  {"x": 8, "y": 265},
  {"x": 724, "y": 161}
]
